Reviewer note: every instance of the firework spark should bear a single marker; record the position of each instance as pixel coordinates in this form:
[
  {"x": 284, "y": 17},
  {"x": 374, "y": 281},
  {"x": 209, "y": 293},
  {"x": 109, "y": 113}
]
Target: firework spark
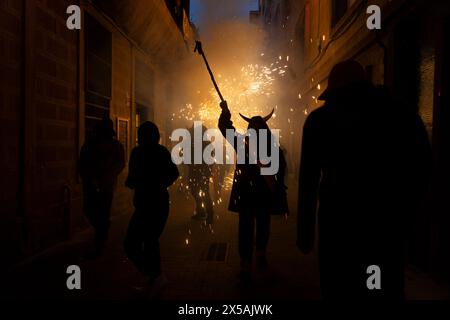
[{"x": 247, "y": 93}]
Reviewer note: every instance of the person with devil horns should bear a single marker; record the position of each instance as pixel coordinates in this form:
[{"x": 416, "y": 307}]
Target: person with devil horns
[{"x": 254, "y": 196}]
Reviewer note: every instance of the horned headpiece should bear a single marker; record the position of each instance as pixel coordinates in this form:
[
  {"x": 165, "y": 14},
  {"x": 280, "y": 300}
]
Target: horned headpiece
[{"x": 258, "y": 118}]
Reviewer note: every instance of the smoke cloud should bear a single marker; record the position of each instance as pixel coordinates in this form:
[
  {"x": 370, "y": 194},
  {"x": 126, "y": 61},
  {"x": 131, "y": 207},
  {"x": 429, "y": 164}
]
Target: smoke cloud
[{"x": 250, "y": 69}]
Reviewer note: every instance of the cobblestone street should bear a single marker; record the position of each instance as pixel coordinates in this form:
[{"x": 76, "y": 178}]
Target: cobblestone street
[{"x": 199, "y": 263}]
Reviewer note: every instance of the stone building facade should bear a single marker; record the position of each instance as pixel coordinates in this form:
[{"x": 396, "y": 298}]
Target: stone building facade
[{"x": 55, "y": 83}]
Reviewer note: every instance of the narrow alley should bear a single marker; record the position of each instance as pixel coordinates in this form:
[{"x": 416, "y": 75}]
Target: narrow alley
[{"x": 355, "y": 96}]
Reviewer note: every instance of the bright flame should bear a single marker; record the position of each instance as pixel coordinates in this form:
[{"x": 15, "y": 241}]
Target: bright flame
[{"x": 246, "y": 92}]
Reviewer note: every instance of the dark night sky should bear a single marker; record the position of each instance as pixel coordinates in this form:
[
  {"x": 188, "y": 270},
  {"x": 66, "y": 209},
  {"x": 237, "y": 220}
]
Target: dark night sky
[{"x": 204, "y": 12}]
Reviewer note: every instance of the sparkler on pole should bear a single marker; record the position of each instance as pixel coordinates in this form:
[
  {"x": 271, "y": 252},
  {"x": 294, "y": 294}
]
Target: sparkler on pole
[
  {"x": 249, "y": 88},
  {"x": 199, "y": 49}
]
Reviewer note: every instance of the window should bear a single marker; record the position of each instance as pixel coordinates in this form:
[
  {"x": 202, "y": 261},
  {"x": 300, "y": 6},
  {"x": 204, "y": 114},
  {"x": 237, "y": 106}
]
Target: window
[
  {"x": 98, "y": 55},
  {"x": 339, "y": 8}
]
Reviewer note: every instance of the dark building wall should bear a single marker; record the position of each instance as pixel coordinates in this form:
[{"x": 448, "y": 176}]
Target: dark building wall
[
  {"x": 42, "y": 108},
  {"x": 11, "y": 97},
  {"x": 39, "y": 112},
  {"x": 51, "y": 121}
]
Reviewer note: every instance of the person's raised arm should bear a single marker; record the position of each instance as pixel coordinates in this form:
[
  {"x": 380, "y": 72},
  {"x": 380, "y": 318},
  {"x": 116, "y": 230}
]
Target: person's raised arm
[{"x": 225, "y": 123}]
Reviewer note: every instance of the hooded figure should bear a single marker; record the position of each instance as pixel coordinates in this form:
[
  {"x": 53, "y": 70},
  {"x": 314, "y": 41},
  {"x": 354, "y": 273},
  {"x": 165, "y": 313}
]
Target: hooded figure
[
  {"x": 102, "y": 158},
  {"x": 254, "y": 196},
  {"x": 151, "y": 172},
  {"x": 364, "y": 166}
]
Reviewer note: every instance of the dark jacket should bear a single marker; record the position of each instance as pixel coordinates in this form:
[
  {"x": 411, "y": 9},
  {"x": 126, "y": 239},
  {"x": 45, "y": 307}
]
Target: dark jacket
[
  {"x": 151, "y": 172},
  {"x": 250, "y": 190},
  {"x": 364, "y": 165},
  {"x": 101, "y": 161}
]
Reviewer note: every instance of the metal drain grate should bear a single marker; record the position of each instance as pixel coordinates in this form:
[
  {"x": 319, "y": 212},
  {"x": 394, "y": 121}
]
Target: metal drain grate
[{"x": 217, "y": 252}]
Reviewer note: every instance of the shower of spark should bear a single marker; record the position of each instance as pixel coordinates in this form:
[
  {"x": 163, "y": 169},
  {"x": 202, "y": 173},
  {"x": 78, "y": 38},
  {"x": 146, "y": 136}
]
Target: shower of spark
[
  {"x": 247, "y": 92},
  {"x": 250, "y": 90}
]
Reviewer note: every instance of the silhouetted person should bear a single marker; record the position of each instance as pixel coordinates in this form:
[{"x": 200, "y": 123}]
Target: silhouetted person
[
  {"x": 220, "y": 173},
  {"x": 254, "y": 196},
  {"x": 151, "y": 172},
  {"x": 198, "y": 179},
  {"x": 364, "y": 166},
  {"x": 102, "y": 158}
]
